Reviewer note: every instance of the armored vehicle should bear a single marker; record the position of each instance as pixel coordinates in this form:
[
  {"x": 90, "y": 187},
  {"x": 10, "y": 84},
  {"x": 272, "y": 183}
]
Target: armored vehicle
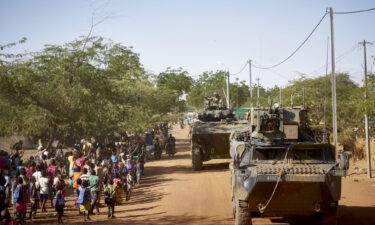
[
  {"x": 281, "y": 167},
  {"x": 210, "y": 134}
]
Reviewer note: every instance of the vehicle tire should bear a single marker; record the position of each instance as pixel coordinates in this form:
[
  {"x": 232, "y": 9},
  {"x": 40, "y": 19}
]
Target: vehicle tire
[
  {"x": 242, "y": 213},
  {"x": 329, "y": 217},
  {"x": 196, "y": 157}
]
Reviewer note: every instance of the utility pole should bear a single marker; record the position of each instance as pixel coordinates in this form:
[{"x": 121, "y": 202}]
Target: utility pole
[
  {"x": 228, "y": 101},
  {"x": 326, "y": 89},
  {"x": 291, "y": 100},
  {"x": 269, "y": 101},
  {"x": 303, "y": 97},
  {"x": 258, "y": 93},
  {"x": 368, "y": 150},
  {"x": 280, "y": 97},
  {"x": 251, "y": 86},
  {"x": 334, "y": 106}
]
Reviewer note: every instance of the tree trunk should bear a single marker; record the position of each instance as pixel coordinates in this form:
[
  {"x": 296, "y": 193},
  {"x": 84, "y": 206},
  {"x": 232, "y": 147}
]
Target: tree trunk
[{"x": 52, "y": 137}]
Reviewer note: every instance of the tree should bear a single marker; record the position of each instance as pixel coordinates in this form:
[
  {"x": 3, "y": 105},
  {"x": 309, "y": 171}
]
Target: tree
[
  {"x": 239, "y": 94},
  {"x": 175, "y": 79},
  {"x": 211, "y": 82},
  {"x": 88, "y": 87},
  {"x": 172, "y": 84},
  {"x": 206, "y": 85}
]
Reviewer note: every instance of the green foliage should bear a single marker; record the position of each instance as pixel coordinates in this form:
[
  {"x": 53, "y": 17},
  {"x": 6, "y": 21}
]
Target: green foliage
[
  {"x": 175, "y": 79},
  {"x": 210, "y": 82},
  {"x": 93, "y": 87},
  {"x": 239, "y": 94},
  {"x": 88, "y": 87},
  {"x": 172, "y": 84}
]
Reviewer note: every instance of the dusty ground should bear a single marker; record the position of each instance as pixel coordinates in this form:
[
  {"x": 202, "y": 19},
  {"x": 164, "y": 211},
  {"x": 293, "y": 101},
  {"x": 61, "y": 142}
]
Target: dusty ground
[{"x": 171, "y": 193}]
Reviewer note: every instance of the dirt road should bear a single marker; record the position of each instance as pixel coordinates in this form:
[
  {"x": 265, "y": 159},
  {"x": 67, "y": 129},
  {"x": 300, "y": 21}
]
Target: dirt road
[{"x": 171, "y": 193}]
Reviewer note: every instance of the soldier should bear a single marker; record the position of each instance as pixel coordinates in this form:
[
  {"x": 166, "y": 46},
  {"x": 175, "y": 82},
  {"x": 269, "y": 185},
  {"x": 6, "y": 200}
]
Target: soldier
[
  {"x": 216, "y": 98},
  {"x": 208, "y": 102}
]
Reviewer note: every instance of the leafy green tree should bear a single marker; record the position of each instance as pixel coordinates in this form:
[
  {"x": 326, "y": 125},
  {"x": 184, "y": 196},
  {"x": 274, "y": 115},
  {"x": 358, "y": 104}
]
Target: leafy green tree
[
  {"x": 172, "y": 85},
  {"x": 175, "y": 79},
  {"x": 207, "y": 84},
  {"x": 88, "y": 87},
  {"x": 239, "y": 94}
]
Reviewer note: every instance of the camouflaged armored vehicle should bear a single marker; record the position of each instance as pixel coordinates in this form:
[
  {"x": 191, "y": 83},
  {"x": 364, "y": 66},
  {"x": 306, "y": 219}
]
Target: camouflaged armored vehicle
[
  {"x": 210, "y": 134},
  {"x": 280, "y": 167}
]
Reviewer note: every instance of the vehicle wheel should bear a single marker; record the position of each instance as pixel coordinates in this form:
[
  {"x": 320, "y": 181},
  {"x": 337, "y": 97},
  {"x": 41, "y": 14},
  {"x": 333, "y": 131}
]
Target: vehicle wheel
[
  {"x": 242, "y": 213},
  {"x": 330, "y": 217},
  {"x": 196, "y": 157}
]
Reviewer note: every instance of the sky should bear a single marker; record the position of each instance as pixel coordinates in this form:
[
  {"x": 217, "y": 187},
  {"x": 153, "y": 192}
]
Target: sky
[{"x": 204, "y": 35}]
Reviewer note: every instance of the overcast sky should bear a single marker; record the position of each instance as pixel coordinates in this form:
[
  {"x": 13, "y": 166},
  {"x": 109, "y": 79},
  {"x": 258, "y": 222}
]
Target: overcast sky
[{"x": 204, "y": 35}]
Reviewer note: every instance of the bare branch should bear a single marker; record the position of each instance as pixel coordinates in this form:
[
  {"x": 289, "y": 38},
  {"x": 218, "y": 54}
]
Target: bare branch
[{"x": 93, "y": 23}]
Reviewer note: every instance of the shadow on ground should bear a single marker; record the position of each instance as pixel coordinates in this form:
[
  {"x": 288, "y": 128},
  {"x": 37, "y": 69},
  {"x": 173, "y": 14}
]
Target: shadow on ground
[
  {"x": 356, "y": 215},
  {"x": 217, "y": 167},
  {"x": 348, "y": 215},
  {"x": 164, "y": 220}
]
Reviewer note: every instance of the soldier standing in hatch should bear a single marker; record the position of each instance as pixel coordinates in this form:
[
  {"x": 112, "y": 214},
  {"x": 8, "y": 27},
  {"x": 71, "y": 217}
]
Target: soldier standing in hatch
[{"x": 216, "y": 98}]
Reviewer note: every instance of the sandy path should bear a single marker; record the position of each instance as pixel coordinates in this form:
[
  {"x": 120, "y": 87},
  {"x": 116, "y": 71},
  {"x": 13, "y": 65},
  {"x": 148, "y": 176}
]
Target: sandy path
[{"x": 171, "y": 193}]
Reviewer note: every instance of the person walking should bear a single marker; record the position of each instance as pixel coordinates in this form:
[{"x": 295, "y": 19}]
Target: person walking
[
  {"x": 84, "y": 200},
  {"x": 94, "y": 184},
  {"x": 110, "y": 199},
  {"x": 44, "y": 189},
  {"x": 19, "y": 199},
  {"x": 34, "y": 198},
  {"x": 60, "y": 201}
]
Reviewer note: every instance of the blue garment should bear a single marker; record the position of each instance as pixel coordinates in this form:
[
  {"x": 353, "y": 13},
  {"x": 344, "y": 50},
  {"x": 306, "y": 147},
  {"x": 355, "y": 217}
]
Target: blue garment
[
  {"x": 148, "y": 140},
  {"x": 17, "y": 161},
  {"x": 20, "y": 167},
  {"x": 113, "y": 159},
  {"x": 129, "y": 164},
  {"x": 114, "y": 173},
  {"x": 83, "y": 196},
  {"x": 17, "y": 196},
  {"x": 172, "y": 141},
  {"x": 6, "y": 161}
]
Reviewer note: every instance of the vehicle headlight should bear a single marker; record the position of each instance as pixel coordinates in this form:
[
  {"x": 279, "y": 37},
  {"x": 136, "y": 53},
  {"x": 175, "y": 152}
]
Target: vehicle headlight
[{"x": 240, "y": 149}]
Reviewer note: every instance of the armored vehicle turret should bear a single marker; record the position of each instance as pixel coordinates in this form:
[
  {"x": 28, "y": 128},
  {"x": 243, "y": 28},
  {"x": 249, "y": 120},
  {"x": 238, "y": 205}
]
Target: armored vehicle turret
[
  {"x": 281, "y": 167},
  {"x": 210, "y": 134}
]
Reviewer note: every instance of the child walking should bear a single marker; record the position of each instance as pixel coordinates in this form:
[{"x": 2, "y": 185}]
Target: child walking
[
  {"x": 19, "y": 199},
  {"x": 44, "y": 190},
  {"x": 110, "y": 199},
  {"x": 60, "y": 202},
  {"x": 34, "y": 197},
  {"x": 84, "y": 200}
]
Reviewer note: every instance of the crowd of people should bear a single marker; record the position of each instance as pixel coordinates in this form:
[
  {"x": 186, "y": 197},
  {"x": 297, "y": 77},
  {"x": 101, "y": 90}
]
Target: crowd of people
[{"x": 88, "y": 171}]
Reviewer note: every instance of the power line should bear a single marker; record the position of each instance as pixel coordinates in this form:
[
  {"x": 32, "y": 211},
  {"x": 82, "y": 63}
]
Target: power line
[
  {"x": 339, "y": 58},
  {"x": 358, "y": 11},
  {"x": 244, "y": 66},
  {"x": 274, "y": 72},
  {"x": 298, "y": 48}
]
